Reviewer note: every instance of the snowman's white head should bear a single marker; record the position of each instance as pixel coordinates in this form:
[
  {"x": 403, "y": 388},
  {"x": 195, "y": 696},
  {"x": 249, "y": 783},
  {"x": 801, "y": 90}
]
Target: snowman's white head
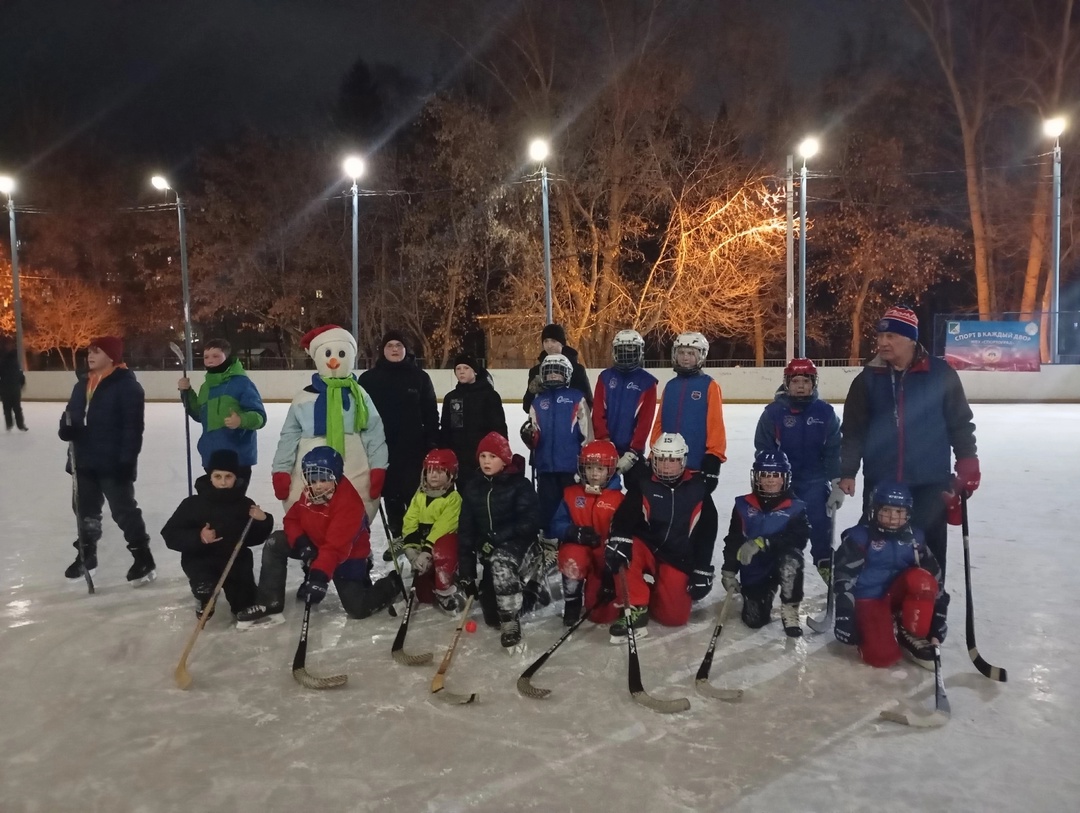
[{"x": 333, "y": 349}]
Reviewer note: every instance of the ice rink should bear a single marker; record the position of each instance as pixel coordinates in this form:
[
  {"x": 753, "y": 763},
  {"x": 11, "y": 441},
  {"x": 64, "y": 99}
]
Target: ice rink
[{"x": 90, "y": 719}]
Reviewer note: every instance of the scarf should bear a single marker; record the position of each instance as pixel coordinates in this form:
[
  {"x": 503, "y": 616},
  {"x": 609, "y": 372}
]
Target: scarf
[
  {"x": 330, "y": 408},
  {"x": 94, "y": 379}
]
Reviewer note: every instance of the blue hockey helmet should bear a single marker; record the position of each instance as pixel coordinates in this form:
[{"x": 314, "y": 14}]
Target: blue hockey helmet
[
  {"x": 770, "y": 465},
  {"x": 890, "y": 494},
  {"x": 322, "y": 463}
]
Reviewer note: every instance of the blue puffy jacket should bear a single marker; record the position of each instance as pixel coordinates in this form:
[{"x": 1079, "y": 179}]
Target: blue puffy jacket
[{"x": 107, "y": 431}]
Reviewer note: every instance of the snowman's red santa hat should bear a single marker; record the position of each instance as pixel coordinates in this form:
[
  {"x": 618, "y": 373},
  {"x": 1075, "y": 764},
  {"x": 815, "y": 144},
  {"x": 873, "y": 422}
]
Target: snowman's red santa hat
[{"x": 316, "y": 338}]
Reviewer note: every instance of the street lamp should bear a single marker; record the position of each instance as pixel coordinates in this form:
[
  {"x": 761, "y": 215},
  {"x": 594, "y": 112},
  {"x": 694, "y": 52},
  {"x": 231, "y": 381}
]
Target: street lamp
[
  {"x": 538, "y": 152},
  {"x": 808, "y": 148},
  {"x": 159, "y": 182},
  {"x": 1053, "y": 128},
  {"x": 354, "y": 168},
  {"x": 7, "y": 187}
]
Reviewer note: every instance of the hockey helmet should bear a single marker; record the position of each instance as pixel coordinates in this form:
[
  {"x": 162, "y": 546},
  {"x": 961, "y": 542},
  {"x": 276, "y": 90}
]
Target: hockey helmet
[
  {"x": 693, "y": 341},
  {"x": 628, "y": 350},
  {"x": 669, "y": 446},
  {"x": 319, "y": 467},
  {"x": 891, "y": 495},
  {"x": 556, "y": 364},
  {"x": 597, "y": 453},
  {"x": 770, "y": 466}
]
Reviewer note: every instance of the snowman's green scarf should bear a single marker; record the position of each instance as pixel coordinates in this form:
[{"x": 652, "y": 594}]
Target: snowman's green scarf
[{"x": 330, "y": 409}]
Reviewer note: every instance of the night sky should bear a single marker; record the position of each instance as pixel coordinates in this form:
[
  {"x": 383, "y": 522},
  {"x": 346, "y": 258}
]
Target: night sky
[{"x": 152, "y": 78}]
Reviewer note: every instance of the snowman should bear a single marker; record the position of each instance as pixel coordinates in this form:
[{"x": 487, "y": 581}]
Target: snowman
[{"x": 332, "y": 411}]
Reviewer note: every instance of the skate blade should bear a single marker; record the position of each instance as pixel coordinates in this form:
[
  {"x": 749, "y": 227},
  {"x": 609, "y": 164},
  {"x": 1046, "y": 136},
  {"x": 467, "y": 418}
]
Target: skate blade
[
  {"x": 519, "y": 648},
  {"x": 621, "y": 639},
  {"x": 263, "y": 623},
  {"x": 142, "y": 581},
  {"x": 81, "y": 578}
]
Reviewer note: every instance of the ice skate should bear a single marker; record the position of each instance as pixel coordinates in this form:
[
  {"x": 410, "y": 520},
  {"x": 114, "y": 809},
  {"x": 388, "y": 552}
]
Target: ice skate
[
  {"x": 259, "y": 615},
  {"x": 510, "y": 634},
  {"x": 917, "y": 650},
  {"x": 75, "y": 569},
  {"x": 571, "y": 611},
  {"x": 639, "y": 620},
  {"x": 450, "y": 602},
  {"x": 789, "y": 617},
  {"x": 142, "y": 570}
]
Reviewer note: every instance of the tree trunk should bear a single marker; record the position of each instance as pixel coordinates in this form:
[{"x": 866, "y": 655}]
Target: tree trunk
[
  {"x": 978, "y": 222},
  {"x": 759, "y": 331},
  {"x": 856, "y": 321},
  {"x": 1040, "y": 231}
]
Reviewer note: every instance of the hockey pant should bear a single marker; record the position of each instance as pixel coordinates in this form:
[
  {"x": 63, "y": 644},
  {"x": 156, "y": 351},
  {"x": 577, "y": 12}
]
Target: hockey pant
[
  {"x": 439, "y": 578},
  {"x": 928, "y": 514},
  {"x": 667, "y": 599},
  {"x": 909, "y": 602},
  {"x": 204, "y": 571},
  {"x": 352, "y": 580},
  {"x": 759, "y": 580},
  {"x": 579, "y": 563},
  {"x": 506, "y": 572},
  {"x": 94, "y": 490},
  {"x": 815, "y": 493}
]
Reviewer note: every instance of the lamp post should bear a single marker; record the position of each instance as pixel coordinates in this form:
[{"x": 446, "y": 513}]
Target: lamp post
[
  {"x": 159, "y": 182},
  {"x": 354, "y": 168},
  {"x": 1052, "y": 128},
  {"x": 789, "y": 344},
  {"x": 538, "y": 151},
  {"x": 7, "y": 187},
  {"x": 807, "y": 149}
]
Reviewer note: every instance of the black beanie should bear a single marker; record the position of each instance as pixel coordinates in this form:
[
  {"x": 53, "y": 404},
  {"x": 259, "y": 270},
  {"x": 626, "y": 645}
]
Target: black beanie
[
  {"x": 466, "y": 359},
  {"x": 224, "y": 460},
  {"x": 555, "y": 332},
  {"x": 393, "y": 336}
]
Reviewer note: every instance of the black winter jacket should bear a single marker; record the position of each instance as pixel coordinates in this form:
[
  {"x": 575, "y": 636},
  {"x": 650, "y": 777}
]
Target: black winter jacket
[
  {"x": 405, "y": 398},
  {"x": 469, "y": 412},
  {"x": 226, "y": 511},
  {"x": 579, "y": 379},
  {"x": 500, "y": 511},
  {"x": 108, "y": 432},
  {"x": 11, "y": 375}
]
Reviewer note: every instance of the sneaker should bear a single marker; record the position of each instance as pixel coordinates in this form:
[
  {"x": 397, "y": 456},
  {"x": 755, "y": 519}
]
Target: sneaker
[
  {"x": 789, "y": 617},
  {"x": 917, "y": 650},
  {"x": 571, "y": 612},
  {"x": 142, "y": 570},
  {"x": 511, "y": 632},
  {"x": 450, "y": 603},
  {"x": 259, "y": 615},
  {"x": 75, "y": 569},
  {"x": 639, "y": 620}
]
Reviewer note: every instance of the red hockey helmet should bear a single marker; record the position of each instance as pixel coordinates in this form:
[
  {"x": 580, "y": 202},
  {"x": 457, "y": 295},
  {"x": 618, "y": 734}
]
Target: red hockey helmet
[
  {"x": 443, "y": 459},
  {"x": 801, "y": 367},
  {"x": 598, "y": 453}
]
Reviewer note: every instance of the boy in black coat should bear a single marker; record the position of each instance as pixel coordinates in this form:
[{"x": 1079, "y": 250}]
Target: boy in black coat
[
  {"x": 469, "y": 412},
  {"x": 206, "y": 527},
  {"x": 499, "y": 517}
]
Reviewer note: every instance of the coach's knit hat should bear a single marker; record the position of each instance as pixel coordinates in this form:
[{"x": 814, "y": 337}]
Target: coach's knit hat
[
  {"x": 900, "y": 320},
  {"x": 111, "y": 346}
]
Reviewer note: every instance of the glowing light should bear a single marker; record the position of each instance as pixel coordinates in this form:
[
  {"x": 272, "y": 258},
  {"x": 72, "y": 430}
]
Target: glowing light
[
  {"x": 538, "y": 150},
  {"x": 354, "y": 166},
  {"x": 7, "y": 184},
  {"x": 160, "y": 183},
  {"x": 1054, "y": 127},
  {"x": 809, "y": 147}
]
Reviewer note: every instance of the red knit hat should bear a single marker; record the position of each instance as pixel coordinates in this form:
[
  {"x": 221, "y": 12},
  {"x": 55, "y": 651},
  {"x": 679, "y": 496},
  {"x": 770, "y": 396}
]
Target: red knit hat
[
  {"x": 111, "y": 346},
  {"x": 495, "y": 444},
  {"x": 900, "y": 320}
]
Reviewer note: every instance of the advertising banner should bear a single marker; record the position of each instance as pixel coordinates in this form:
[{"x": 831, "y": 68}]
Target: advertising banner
[{"x": 1010, "y": 346}]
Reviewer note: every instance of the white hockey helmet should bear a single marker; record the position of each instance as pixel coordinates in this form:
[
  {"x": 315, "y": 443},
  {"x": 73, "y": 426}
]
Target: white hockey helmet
[
  {"x": 669, "y": 446},
  {"x": 556, "y": 364},
  {"x": 695, "y": 341},
  {"x": 628, "y": 350}
]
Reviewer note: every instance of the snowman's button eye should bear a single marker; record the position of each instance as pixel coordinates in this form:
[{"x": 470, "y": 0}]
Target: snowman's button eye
[
  {"x": 341, "y": 353},
  {"x": 328, "y": 352}
]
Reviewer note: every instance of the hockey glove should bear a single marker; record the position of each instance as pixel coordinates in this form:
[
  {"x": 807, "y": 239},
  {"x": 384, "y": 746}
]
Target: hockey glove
[
  {"x": 587, "y": 536},
  {"x": 467, "y": 587},
  {"x": 729, "y": 581},
  {"x": 529, "y": 434},
  {"x": 824, "y": 569},
  {"x": 700, "y": 584},
  {"x": 536, "y": 384},
  {"x": 305, "y": 549},
  {"x": 314, "y": 587},
  {"x": 954, "y": 514},
  {"x": 412, "y": 544},
  {"x": 626, "y": 462},
  {"x": 607, "y": 589},
  {"x": 968, "y": 476},
  {"x": 376, "y": 480},
  {"x": 751, "y": 548},
  {"x": 486, "y": 549},
  {"x": 835, "y": 498},
  {"x": 710, "y": 467},
  {"x": 618, "y": 553},
  {"x": 282, "y": 485},
  {"x": 844, "y": 630},
  {"x": 938, "y": 626},
  {"x": 421, "y": 560}
]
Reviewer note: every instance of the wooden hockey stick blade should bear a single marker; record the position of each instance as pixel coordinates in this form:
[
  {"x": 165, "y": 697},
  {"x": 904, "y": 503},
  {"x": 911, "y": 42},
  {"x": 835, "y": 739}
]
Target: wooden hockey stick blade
[
  {"x": 524, "y": 684},
  {"x": 176, "y": 350},
  {"x": 438, "y": 687},
  {"x": 397, "y": 650},
  {"x": 701, "y": 683}
]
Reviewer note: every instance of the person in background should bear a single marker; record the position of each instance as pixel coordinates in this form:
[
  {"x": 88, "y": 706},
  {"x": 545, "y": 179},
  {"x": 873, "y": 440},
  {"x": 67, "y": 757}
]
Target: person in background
[
  {"x": 12, "y": 382},
  {"x": 469, "y": 412}
]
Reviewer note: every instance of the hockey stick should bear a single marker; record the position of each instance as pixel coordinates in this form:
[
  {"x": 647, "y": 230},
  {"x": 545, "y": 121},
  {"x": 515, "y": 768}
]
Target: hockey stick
[
  {"x": 992, "y": 672},
  {"x": 397, "y": 650},
  {"x": 187, "y": 426},
  {"x": 702, "y": 681},
  {"x": 637, "y": 690},
  {"x": 390, "y": 544},
  {"x": 300, "y": 672},
  {"x": 75, "y": 508},
  {"x": 920, "y": 719},
  {"x": 524, "y": 686},
  {"x": 824, "y": 624},
  {"x": 437, "y": 682},
  {"x": 181, "y": 674}
]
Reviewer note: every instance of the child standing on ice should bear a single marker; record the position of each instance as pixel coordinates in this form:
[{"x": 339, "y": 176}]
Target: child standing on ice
[
  {"x": 887, "y": 585},
  {"x": 499, "y": 518},
  {"x": 206, "y": 527},
  {"x": 430, "y": 530}
]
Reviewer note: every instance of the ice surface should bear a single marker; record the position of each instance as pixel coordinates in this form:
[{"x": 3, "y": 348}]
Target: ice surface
[{"x": 90, "y": 719}]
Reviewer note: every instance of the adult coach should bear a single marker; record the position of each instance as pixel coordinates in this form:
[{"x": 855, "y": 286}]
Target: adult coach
[{"x": 904, "y": 413}]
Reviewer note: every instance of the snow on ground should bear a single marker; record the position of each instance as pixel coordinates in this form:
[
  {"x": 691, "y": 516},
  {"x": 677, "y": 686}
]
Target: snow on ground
[{"x": 90, "y": 719}]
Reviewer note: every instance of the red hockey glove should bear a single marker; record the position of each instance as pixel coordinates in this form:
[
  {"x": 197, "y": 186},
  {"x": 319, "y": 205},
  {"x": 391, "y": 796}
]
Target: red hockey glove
[
  {"x": 376, "y": 479},
  {"x": 953, "y": 512},
  {"x": 282, "y": 484},
  {"x": 967, "y": 475}
]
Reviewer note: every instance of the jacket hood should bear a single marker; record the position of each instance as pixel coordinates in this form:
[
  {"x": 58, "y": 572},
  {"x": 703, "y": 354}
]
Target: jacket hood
[{"x": 204, "y": 488}]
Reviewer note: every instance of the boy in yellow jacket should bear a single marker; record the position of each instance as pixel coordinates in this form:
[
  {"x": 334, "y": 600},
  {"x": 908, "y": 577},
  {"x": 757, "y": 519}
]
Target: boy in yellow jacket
[{"x": 430, "y": 531}]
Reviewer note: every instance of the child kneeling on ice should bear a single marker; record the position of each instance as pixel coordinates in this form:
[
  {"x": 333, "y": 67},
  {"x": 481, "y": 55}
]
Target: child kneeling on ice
[
  {"x": 499, "y": 517},
  {"x": 327, "y": 530},
  {"x": 430, "y": 531},
  {"x": 765, "y": 544},
  {"x": 886, "y": 583},
  {"x": 206, "y": 527}
]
